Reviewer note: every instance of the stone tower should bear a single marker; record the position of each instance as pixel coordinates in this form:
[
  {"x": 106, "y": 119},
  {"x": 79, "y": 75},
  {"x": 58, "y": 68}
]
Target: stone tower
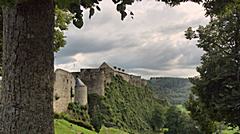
[
  {"x": 63, "y": 90},
  {"x": 80, "y": 93}
]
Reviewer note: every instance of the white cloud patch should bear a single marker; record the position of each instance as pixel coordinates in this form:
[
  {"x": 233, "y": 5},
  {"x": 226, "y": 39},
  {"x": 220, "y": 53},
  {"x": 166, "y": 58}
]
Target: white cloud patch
[{"x": 151, "y": 44}]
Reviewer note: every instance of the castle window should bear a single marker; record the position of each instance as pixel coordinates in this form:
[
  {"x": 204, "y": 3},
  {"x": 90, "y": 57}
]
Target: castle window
[
  {"x": 56, "y": 97},
  {"x": 71, "y": 93}
]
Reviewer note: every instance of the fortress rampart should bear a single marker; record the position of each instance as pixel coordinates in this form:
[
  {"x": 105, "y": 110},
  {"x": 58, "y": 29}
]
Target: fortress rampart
[
  {"x": 94, "y": 79},
  {"x": 66, "y": 90},
  {"x": 75, "y": 86},
  {"x": 97, "y": 79},
  {"x": 63, "y": 90}
]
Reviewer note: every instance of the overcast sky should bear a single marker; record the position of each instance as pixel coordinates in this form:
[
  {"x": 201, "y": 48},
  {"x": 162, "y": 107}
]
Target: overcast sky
[{"x": 152, "y": 44}]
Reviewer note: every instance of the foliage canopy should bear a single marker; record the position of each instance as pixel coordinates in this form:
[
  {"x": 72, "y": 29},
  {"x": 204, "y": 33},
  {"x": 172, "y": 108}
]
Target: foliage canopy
[
  {"x": 217, "y": 87},
  {"x": 77, "y": 7}
]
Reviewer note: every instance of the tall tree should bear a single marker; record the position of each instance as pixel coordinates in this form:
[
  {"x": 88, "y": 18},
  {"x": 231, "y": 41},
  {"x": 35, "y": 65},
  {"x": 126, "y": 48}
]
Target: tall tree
[
  {"x": 198, "y": 114},
  {"x": 26, "y": 97},
  {"x": 1, "y": 41},
  {"x": 28, "y": 31},
  {"x": 179, "y": 122},
  {"x": 217, "y": 89}
]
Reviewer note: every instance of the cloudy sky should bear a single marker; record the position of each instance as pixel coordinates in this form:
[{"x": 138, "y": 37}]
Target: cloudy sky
[{"x": 152, "y": 44}]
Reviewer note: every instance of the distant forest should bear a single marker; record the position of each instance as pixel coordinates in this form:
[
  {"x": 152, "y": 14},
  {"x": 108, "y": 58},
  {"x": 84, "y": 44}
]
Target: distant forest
[{"x": 174, "y": 90}]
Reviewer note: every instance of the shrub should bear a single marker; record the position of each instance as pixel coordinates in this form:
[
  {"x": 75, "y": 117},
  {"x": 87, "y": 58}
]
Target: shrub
[{"x": 78, "y": 112}]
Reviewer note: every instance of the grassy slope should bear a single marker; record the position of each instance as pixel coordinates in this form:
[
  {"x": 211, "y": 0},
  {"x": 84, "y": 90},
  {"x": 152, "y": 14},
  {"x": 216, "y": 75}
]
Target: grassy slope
[
  {"x": 65, "y": 127},
  {"x": 229, "y": 130},
  {"x": 105, "y": 130},
  {"x": 125, "y": 107}
]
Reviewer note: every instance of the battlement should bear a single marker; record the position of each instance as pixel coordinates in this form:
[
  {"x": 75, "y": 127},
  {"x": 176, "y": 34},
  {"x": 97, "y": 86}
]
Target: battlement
[
  {"x": 97, "y": 78},
  {"x": 75, "y": 86}
]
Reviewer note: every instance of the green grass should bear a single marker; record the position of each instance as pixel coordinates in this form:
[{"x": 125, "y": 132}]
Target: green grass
[
  {"x": 64, "y": 127},
  {"x": 105, "y": 130},
  {"x": 230, "y": 130}
]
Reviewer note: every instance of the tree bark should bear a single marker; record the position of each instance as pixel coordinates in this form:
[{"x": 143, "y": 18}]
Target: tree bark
[
  {"x": 1, "y": 37},
  {"x": 26, "y": 104}
]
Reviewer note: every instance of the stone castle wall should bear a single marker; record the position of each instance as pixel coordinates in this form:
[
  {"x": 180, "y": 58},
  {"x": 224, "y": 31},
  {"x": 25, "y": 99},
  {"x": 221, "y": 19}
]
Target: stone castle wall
[
  {"x": 125, "y": 76},
  {"x": 66, "y": 91},
  {"x": 108, "y": 73},
  {"x": 132, "y": 79},
  {"x": 97, "y": 79},
  {"x": 81, "y": 93},
  {"x": 94, "y": 79},
  {"x": 135, "y": 80},
  {"x": 144, "y": 82},
  {"x": 63, "y": 90}
]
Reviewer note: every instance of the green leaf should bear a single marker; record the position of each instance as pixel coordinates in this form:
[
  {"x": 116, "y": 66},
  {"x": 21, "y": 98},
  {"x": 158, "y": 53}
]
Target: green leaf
[
  {"x": 116, "y": 1},
  {"x": 98, "y": 8},
  {"x": 128, "y": 2},
  {"x": 121, "y": 7},
  {"x": 131, "y": 13},
  {"x": 123, "y": 15},
  {"x": 74, "y": 8},
  {"x": 91, "y": 12},
  {"x": 78, "y": 23},
  {"x": 95, "y": 1}
]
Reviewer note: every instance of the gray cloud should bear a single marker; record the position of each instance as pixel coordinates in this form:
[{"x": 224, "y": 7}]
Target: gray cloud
[
  {"x": 85, "y": 43},
  {"x": 157, "y": 56},
  {"x": 64, "y": 59},
  {"x": 152, "y": 43}
]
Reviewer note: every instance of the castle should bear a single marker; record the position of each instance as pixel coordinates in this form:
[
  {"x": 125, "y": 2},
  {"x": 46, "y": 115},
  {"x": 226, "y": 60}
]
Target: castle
[{"x": 75, "y": 86}]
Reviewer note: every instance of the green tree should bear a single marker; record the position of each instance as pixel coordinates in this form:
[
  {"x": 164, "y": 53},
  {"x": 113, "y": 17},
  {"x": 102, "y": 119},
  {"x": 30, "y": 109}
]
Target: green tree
[
  {"x": 217, "y": 88},
  {"x": 206, "y": 125},
  {"x": 1, "y": 41},
  {"x": 63, "y": 19},
  {"x": 179, "y": 122},
  {"x": 158, "y": 119},
  {"x": 28, "y": 29}
]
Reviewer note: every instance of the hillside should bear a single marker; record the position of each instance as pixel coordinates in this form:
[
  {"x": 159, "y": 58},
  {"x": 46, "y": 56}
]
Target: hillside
[
  {"x": 174, "y": 90},
  {"x": 64, "y": 127},
  {"x": 126, "y": 107}
]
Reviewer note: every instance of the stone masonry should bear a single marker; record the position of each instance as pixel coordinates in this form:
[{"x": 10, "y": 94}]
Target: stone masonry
[
  {"x": 75, "y": 86},
  {"x": 96, "y": 79},
  {"x": 67, "y": 89}
]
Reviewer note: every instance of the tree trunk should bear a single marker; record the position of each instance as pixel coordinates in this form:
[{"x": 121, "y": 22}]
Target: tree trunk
[
  {"x": 26, "y": 105},
  {"x": 1, "y": 37}
]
